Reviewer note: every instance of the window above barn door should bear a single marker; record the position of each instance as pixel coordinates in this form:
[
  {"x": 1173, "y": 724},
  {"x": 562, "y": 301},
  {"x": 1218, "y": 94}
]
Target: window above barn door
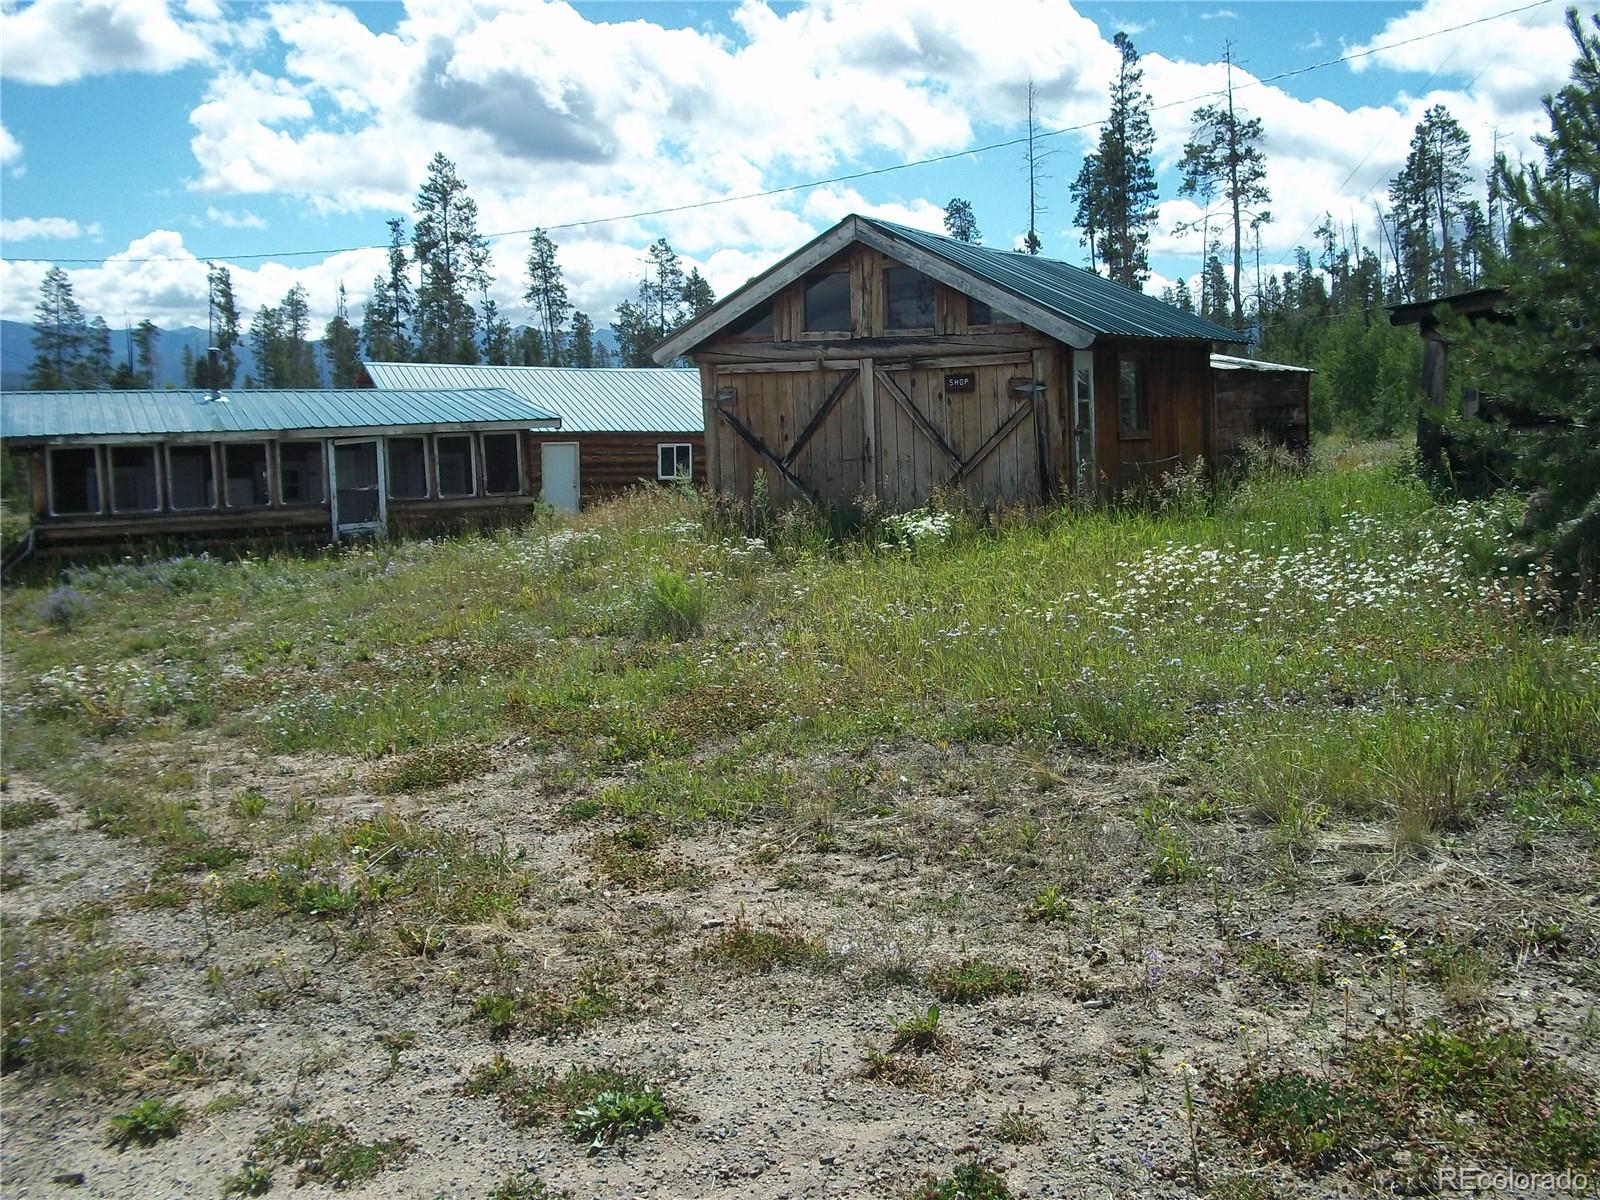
[
  {"x": 827, "y": 303},
  {"x": 909, "y": 295}
]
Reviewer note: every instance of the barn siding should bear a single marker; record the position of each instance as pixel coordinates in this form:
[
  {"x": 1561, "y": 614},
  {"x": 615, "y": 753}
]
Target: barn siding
[{"x": 1274, "y": 405}]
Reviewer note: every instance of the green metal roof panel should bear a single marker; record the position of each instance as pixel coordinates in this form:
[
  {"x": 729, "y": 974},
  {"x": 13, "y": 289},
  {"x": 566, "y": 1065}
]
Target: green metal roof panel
[
  {"x": 147, "y": 413},
  {"x": 1074, "y": 294},
  {"x": 590, "y": 400}
]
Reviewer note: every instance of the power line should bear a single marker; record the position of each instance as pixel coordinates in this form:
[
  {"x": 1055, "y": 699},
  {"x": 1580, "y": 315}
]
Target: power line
[{"x": 850, "y": 177}]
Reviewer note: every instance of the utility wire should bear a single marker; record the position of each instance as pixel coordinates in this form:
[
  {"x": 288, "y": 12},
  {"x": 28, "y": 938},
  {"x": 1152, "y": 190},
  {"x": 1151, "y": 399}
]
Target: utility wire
[{"x": 851, "y": 177}]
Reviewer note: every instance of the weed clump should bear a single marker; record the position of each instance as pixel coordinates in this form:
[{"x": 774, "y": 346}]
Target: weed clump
[
  {"x": 920, "y": 1033},
  {"x": 599, "y": 1106},
  {"x": 972, "y": 1180},
  {"x": 430, "y": 767},
  {"x": 1446, "y": 1095},
  {"x": 761, "y": 949},
  {"x": 148, "y": 1122},
  {"x": 19, "y": 814},
  {"x": 328, "y": 1152},
  {"x": 976, "y": 979},
  {"x": 672, "y": 605}
]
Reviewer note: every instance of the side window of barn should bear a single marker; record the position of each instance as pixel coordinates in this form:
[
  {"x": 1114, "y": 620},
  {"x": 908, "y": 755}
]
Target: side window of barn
[{"x": 1133, "y": 405}]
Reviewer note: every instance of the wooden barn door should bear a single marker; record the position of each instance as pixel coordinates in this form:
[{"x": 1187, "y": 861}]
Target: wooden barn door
[
  {"x": 803, "y": 428},
  {"x": 977, "y": 429}
]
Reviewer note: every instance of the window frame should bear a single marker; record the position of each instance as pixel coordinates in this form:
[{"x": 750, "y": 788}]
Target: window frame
[
  {"x": 223, "y": 479},
  {"x": 888, "y": 304},
  {"x": 849, "y": 303},
  {"x": 216, "y": 482},
  {"x": 427, "y": 468},
  {"x": 97, "y": 455},
  {"x": 516, "y": 457},
  {"x": 472, "y": 467},
  {"x": 688, "y": 448},
  {"x": 111, "y": 478},
  {"x": 1141, "y": 399},
  {"x": 322, "y": 473}
]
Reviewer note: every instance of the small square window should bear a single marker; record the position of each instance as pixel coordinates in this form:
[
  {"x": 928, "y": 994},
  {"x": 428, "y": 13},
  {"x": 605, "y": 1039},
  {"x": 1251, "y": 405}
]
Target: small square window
[
  {"x": 828, "y": 303},
  {"x": 675, "y": 461},
  {"x": 408, "y": 468},
  {"x": 74, "y": 481},
  {"x": 1133, "y": 406},
  {"x": 502, "y": 464},
  {"x": 453, "y": 453},
  {"x": 300, "y": 474},
  {"x": 245, "y": 467},
  {"x": 191, "y": 479},
  {"x": 910, "y": 295},
  {"x": 133, "y": 479}
]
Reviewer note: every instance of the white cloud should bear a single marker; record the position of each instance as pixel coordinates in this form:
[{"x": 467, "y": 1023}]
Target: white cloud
[
  {"x": 233, "y": 220},
  {"x": 28, "y": 229},
  {"x": 10, "y": 148},
  {"x": 58, "y": 41},
  {"x": 1220, "y": 14}
]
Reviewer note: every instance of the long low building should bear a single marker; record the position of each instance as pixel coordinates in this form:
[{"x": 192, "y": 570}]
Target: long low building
[
  {"x": 110, "y": 466},
  {"x": 620, "y": 426}
]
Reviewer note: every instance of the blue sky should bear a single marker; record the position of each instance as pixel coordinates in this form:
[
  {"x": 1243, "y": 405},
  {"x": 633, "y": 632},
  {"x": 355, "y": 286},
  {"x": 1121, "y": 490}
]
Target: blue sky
[{"x": 146, "y": 130}]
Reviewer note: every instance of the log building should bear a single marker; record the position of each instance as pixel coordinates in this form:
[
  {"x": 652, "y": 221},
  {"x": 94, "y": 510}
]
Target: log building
[{"x": 886, "y": 362}]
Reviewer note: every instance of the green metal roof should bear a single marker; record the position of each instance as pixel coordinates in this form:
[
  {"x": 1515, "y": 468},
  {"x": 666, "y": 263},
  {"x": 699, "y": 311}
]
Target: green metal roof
[
  {"x": 1074, "y": 294},
  {"x": 85, "y": 414},
  {"x": 590, "y": 400}
]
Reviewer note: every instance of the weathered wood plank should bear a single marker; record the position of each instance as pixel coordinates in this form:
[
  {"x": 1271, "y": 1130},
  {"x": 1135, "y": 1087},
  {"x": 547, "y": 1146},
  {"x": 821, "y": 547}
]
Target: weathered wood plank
[
  {"x": 766, "y": 455},
  {"x": 918, "y": 419},
  {"x": 821, "y": 415}
]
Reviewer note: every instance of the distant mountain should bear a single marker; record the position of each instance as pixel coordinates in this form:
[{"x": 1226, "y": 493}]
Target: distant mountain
[{"x": 16, "y": 353}]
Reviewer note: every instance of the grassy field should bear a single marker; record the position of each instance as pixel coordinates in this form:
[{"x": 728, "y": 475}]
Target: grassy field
[{"x": 1243, "y": 846}]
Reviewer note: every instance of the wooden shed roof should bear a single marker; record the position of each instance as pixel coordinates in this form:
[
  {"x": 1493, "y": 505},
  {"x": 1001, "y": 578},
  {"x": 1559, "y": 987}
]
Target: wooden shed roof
[{"x": 1067, "y": 302}]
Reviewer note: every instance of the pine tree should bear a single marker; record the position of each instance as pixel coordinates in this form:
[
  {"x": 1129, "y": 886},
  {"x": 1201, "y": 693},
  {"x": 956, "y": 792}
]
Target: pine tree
[
  {"x": 1544, "y": 362},
  {"x": 498, "y": 343},
  {"x": 546, "y": 293},
  {"x": 1224, "y": 154},
  {"x": 1428, "y": 196},
  {"x": 454, "y": 261},
  {"x": 268, "y": 345},
  {"x": 386, "y": 319},
  {"x": 698, "y": 297},
  {"x": 1037, "y": 156},
  {"x": 94, "y": 368},
  {"x": 959, "y": 221},
  {"x": 341, "y": 345},
  {"x": 660, "y": 295},
  {"x": 635, "y": 330},
  {"x": 146, "y": 336},
  {"x": 1115, "y": 190},
  {"x": 58, "y": 333},
  {"x": 224, "y": 322},
  {"x": 528, "y": 349},
  {"x": 580, "y": 342},
  {"x": 299, "y": 365}
]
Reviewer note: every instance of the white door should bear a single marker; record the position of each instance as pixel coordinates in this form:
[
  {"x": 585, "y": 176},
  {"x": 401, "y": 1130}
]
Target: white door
[
  {"x": 360, "y": 491},
  {"x": 558, "y": 469}
]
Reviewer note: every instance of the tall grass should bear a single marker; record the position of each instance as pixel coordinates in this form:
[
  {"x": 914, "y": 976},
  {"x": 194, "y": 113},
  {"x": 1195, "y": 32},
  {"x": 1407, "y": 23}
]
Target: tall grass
[{"x": 1324, "y": 642}]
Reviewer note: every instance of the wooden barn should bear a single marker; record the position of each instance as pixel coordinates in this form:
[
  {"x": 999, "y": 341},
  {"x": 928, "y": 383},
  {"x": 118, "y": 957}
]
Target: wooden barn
[
  {"x": 109, "y": 467},
  {"x": 619, "y": 426},
  {"x": 882, "y": 361},
  {"x": 1260, "y": 401}
]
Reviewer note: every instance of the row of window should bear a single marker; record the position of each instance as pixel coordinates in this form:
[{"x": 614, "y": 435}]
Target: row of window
[
  {"x": 908, "y": 306},
  {"x": 185, "y": 478}
]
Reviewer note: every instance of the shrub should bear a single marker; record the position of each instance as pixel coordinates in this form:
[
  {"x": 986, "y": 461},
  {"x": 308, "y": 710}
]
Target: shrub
[
  {"x": 971, "y": 1180},
  {"x": 617, "y": 1113},
  {"x": 64, "y": 608},
  {"x": 673, "y": 605}
]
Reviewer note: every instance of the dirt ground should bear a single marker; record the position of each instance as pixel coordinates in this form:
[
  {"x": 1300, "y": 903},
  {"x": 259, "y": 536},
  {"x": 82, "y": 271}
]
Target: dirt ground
[{"x": 765, "y": 1073}]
